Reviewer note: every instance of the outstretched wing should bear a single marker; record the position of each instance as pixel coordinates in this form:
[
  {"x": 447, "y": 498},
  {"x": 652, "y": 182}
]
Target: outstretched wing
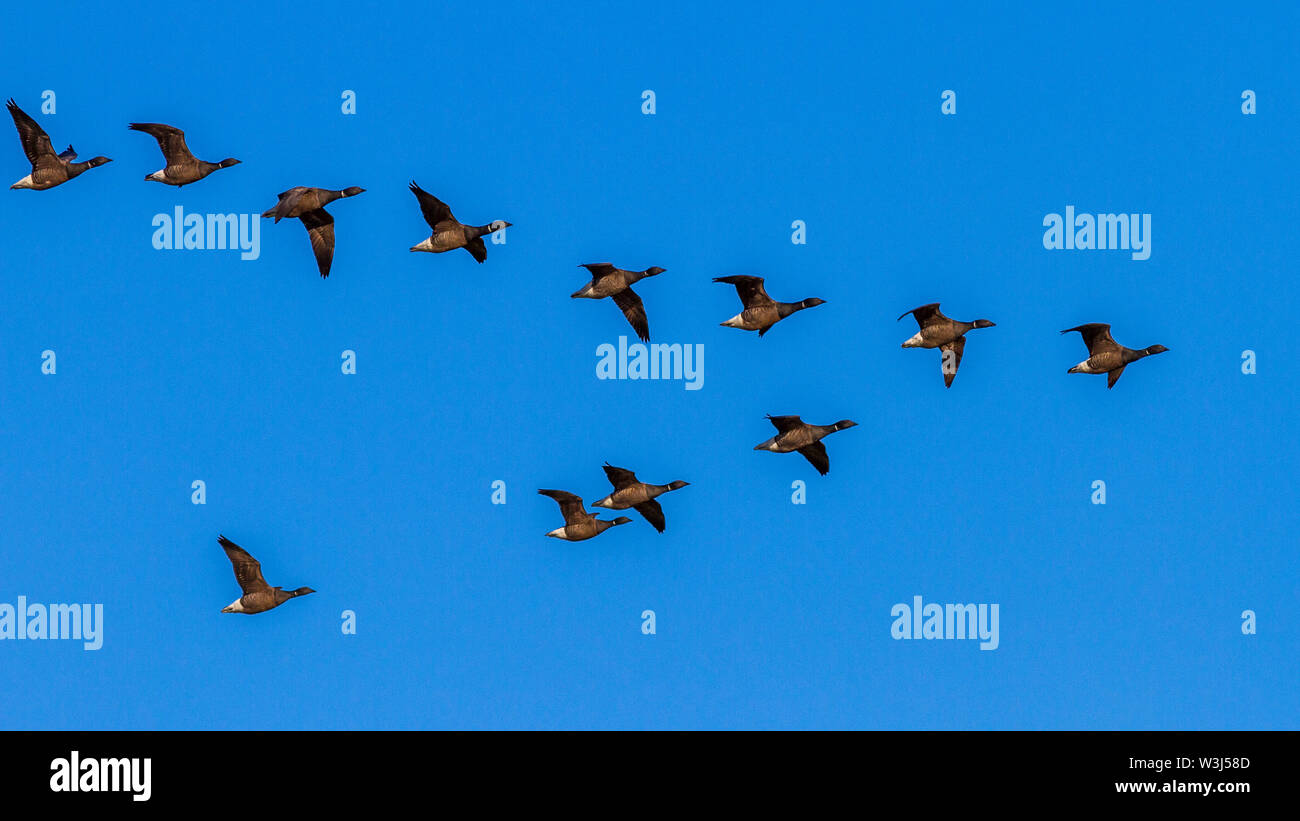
[
  {"x": 751, "y": 291},
  {"x": 620, "y": 477},
  {"x": 816, "y": 454},
  {"x": 571, "y": 507},
  {"x": 477, "y": 249},
  {"x": 69, "y": 154},
  {"x": 1096, "y": 335},
  {"x": 598, "y": 269},
  {"x": 433, "y": 209},
  {"x": 924, "y": 314},
  {"x": 632, "y": 307},
  {"x": 288, "y": 200},
  {"x": 950, "y": 359},
  {"x": 1113, "y": 376},
  {"x": 653, "y": 513},
  {"x": 248, "y": 572},
  {"x": 36, "y": 143},
  {"x": 785, "y": 423},
  {"x": 320, "y": 228},
  {"x": 170, "y": 139}
]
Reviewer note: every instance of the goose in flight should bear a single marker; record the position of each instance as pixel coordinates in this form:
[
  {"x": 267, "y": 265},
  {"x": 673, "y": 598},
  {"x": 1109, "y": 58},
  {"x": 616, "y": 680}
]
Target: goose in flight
[
  {"x": 48, "y": 169},
  {"x": 606, "y": 280},
  {"x": 761, "y": 311},
  {"x": 938, "y": 331},
  {"x": 1105, "y": 355},
  {"x": 579, "y": 525},
  {"x": 450, "y": 233},
  {"x": 182, "y": 167},
  {"x": 793, "y": 434},
  {"x": 628, "y": 492},
  {"x": 258, "y": 595},
  {"x": 308, "y": 205}
]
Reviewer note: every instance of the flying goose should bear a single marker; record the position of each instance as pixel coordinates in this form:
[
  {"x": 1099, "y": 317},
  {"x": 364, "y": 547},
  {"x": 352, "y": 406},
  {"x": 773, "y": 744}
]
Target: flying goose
[
  {"x": 606, "y": 280},
  {"x": 182, "y": 167},
  {"x": 450, "y": 233},
  {"x": 308, "y": 205},
  {"x": 938, "y": 331},
  {"x": 628, "y": 492},
  {"x": 761, "y": 311},
  {"x": 258, "y": 595},
  {"x": 1105, "y": 355},
  {"x": 48, "y": 169},
  {"x": 578, "y": 523},
  {"x": 794, "y": 434}
]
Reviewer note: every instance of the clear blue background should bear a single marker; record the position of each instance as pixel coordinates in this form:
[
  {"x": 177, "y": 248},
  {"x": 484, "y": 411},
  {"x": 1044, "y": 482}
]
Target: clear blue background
[{"x": 375, "y": 488}]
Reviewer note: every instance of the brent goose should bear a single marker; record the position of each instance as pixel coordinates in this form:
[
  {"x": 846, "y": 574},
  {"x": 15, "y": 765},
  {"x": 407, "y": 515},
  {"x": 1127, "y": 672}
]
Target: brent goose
[
  {"x": 578, "y": 523},
  {"x": 938, "y": 331},
  {"x": 308, "y": 205},
  {"x": 794, "y": 434},
  {"x": 761, "y": 311},
  {"x": 606, "y": 280},
  {"x": 628, "y": 492},
  {"x": 258, "y": 595},
  {"x": 182, "y": 167},
  {"x": 450, "y": 233},
  {"x": 1105, "y": 355},
  {"x": 48, "y": 169}
]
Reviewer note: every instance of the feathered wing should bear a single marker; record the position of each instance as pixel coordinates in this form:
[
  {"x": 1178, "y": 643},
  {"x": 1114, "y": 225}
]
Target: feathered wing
[
  {"x": 751, "y": 290},
  {"x": 619, "y": 477},
  {"x": 653, "y": 513},
  {"x": 320, "y": 229},
  {"x": 171, "y": 141},
  {"x": 631, "y": 306},
  {"x": 956, "y": 347},
  {"x": 433, "y": 209},
  {"x": 924, "y": 314},
  {"x": 571, "y": 507},
  {"x": 36, "y": 143},
  {"x": 599, "y": 269},
  {"x": 1096, "y": 335},
  {"x": 477, "y": 249},
  {"x": 816, "y": 454},
  {"x": 248, "y": 571},
  {"x": 1113, "y": 376},
  {"x": 785, "y": 423}
]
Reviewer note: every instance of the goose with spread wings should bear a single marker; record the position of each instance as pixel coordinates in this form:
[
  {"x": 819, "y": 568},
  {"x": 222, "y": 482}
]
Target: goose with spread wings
[
  {"x": 761, "y": 311},
  {"x": 794, "y": 434},
  {"x": 308, "y": 205},
  {"x": 1105, "y": 355},
  {"x": 450, "y": 233},
  {"x": 608, "y": 281},
  {"x": 629, "y": 492},
  {"x": 48, "y": 169},
  {"x": 948, "y": 335},
  {"x": 182, "y": 167},
  {"x": 258, "y": 595},
  {"x": 579, "y": 525}
]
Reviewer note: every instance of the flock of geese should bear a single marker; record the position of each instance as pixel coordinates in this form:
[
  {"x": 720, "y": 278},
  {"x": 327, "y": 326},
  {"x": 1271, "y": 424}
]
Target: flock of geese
[{"x": 759, "y": 313}]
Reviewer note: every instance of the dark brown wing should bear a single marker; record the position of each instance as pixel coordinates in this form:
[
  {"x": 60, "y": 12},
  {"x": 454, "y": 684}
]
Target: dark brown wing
[
  {"x": 69, "y": 154},
  {"x": 631, "y": 306},
  {"x": 816, "y": 454},
  {"x": 170, "y": 139},
  {"x": 599, "y": 269},
  {"x": 620, "y": 477},
  {"x": 950, "y": 370},
  {"x": 477, "y": 249},
  {"x": 925, "y": 314},
  {"x": 248, "y": 572},
  {"x": 751, "y": 291},
  {"x": 785, "y": 423},
  {"x": 1096, "y": 335},
  {"x": 433, "y": 209},
  {"x": 1113, "y": 376},
  {"x": 571, "y": 507},
  {"x": 320, "y": 228},
  {"x": 36, "y": 143},
  {"x": 653, "y": 513}
]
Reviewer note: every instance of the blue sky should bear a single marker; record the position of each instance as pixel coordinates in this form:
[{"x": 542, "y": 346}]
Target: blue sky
[{"x": 374, "y": 488}]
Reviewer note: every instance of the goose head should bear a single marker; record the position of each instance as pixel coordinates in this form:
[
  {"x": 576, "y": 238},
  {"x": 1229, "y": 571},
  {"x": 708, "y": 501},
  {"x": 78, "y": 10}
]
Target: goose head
[
  {"x": 984, "y": 323},
  {"x": 227, "y": 162},
  {"x": 352, "y": 191}
]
